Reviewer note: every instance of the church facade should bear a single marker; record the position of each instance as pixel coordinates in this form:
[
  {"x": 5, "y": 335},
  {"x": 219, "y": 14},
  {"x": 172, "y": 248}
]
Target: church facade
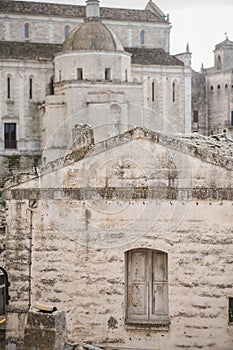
[{"x": 132, "y": 81}]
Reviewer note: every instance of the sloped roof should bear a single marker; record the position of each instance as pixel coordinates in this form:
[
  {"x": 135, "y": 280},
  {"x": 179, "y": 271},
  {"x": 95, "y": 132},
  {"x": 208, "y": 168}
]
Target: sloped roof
[
  {"x": 153, "y": 56},
  {"x": 41, "y": 51},
  {"x": 28, "y": 51},
  {"x": 51, "y": 9}
]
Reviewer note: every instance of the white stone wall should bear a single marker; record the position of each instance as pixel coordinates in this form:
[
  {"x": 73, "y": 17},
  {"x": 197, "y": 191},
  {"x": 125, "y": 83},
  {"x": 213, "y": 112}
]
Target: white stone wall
[
  {"x": 93, "y": 65},
  {"x": 219, "y": 92},
  {"x": 156, "y": 34},
  {"x": 20, "y": 109},
  {"x": 79, "y": 245}
]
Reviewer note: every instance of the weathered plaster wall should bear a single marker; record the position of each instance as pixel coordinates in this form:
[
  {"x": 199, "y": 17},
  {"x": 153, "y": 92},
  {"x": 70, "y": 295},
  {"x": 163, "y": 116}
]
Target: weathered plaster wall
[{"x": 137, "y": 194}]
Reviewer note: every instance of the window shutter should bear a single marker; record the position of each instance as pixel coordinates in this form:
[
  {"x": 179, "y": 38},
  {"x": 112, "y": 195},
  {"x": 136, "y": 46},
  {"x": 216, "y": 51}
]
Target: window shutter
[
  {"x": 159, "y": 300},
  {"x": 137, "y": 297}
]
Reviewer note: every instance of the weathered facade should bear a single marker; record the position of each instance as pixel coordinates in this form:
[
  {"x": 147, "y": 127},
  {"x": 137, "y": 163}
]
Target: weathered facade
[
  {"x": 132, "y": 239},
  {"x": 212, "y": 93},
  {"x": 139, "y": 84}
]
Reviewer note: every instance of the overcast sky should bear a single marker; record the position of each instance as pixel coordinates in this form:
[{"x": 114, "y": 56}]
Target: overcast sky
[{"x": 202, "y": 23}]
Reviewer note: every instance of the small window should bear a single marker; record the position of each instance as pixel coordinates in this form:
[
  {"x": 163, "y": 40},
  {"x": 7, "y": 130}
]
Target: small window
[
  {"x": 9, "y": 88},
  {"x": 10, "y": 135},
  {"x": 107, "y": 74},
  {"x": 126, "y": 75},
  {"x": 231, "y": 118},
  {"x": 230, "y": 310},
  {"x": 26, "y": 31},
  {"x": 153, "y": 92},
  {"x": 59, "y": 75},
  {"x": 30, "y": 88},
  {"x": 51, "y": 86},
  {"x": 173, "y": 92},
  {"x": 79, "y": 74},
  {"x": 219, "y": 87},
  {"x": 66, "y": 31},
  {"x": 211, "y": 88},
  {"x": 195, "y": 116},
  {"x": 147, "y": 286},
  {"x": 226, "y": 86},
  {"x": 142, "y": 37},
  {"x": 219, "y": 62}
]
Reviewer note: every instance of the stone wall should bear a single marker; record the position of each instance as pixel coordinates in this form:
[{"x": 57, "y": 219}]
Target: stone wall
[{"x": 118, "y": 197}]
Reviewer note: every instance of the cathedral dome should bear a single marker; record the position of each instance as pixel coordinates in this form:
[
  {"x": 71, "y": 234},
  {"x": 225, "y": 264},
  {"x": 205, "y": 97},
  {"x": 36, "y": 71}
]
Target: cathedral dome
[{"x": 92, "y": 36}]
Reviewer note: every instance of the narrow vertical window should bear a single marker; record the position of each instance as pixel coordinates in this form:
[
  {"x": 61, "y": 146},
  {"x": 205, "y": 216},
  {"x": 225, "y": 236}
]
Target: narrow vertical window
[
  {"x": 10, "y": 135},
  {"x": 8, "y": 87},
  {"x": 51, "y": 86},
  {"x": 153, "y": 92},
  {"x": 26, "y": 31},
  {"x": 79, "y": 74},
  {"x": 30, "y": 88},
  {"x": 59, "y": 75},
  {"x": 173, "y": 92},
  {"x": 126, "y": 75},
  {"x": 231, "y": 118},
  {"x": 147, "y": 286},
  {"x": 230, "y": 310},
  {"x": 66, "y": 31},
  {"x": 142, "y": 37},
  {"x": 107, "y": 74},
  {"x": 195, "y": 116}
]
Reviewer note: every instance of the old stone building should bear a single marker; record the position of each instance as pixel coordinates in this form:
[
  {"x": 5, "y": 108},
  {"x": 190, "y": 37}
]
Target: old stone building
[
  {"x": 124, "y": 225},
  {"x": 127, "y": 78},
  {"x": 131, "y": 238},
  {"x": 212, "y": 93}
]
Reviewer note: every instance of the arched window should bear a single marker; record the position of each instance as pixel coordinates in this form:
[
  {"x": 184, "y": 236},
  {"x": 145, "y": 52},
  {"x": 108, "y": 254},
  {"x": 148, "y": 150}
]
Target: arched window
[
  {"x": 142, "y": 37},
  {"x": 26, "y": 31},
  {"x": 219, "y": 62},
  {"x": 146, "y": 286},
  {"x": 66, "y": 31}
]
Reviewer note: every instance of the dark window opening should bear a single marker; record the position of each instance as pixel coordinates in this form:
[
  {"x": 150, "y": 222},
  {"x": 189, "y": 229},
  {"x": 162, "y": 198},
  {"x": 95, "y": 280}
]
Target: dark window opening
[
  {"x": 59, "y": 75},
  {"x": 51, "y": 86},
  {"x": 30, "y": 88},
  {"x": 8, "y": 87},
  {"x": 231, "y": 118},
  {"x": 4, "y": 291},
  {"x": 195, "y": 116},
  {"x": 153, "y": 92},
  {"x": 231, "y": 310},
  {"x": 219, "y": 87},
  {"x": 10, "y": 135},
  {"x": 79, "y": 74},
  {"x": 107, "y": 75},
  {"x": 173, "y": 92},
  {"x": 226, "y": 86},
  {"x": 126, "y": 75},
  {"x": 26, "y": 31},
  {"x": 211, "y": 88}
]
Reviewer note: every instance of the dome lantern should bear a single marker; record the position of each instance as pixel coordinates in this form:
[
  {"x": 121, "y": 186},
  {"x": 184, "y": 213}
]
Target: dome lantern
[{"x": 92, "y": 9}]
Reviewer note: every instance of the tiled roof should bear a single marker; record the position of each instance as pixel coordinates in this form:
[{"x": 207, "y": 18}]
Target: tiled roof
[
  {"x": 28, "y": 51},
  {"x": 153, "y": 57},
  {"x": 47, "y": 9},
  {"x": 41, "y": 51}
]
